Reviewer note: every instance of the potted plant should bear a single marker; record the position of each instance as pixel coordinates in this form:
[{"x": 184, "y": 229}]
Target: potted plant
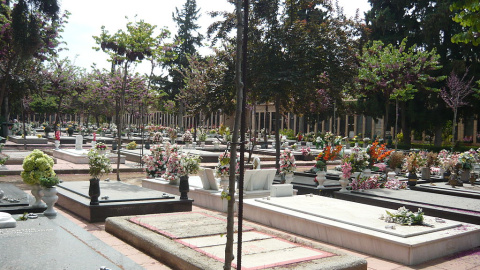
[
  {"x": 306, "y": 154},
  {"x": 189, "y": 164},
  {"x": 395, "y": 161},
  {"x": 98, "y": 166},
  {"x": 35, "y": 166},
  {"x": 131, "y": 145},
  {"x": 287, "y": 165},
  {"x": 222, "y": 170},
  {"x": 466, "y": 160},
  {"x": 202, "y": 138},
  {"x": 49, "y": 193}
]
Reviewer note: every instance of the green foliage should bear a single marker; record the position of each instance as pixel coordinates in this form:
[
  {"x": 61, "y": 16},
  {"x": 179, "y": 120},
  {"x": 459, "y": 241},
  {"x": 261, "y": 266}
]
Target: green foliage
[
  {"x": 289, "y": 133},
  {"x": 468, "y": 16},
  {"x": 131, "y": 145},
  {"x": 49, "y": 182},
  {"x": 35, "y": 166}
]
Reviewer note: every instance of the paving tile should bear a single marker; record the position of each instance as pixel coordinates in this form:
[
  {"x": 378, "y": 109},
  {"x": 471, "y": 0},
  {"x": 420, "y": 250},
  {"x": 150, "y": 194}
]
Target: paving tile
[
  {"x": 127, "y": 250},
  {"x": 379, "y": 264}
]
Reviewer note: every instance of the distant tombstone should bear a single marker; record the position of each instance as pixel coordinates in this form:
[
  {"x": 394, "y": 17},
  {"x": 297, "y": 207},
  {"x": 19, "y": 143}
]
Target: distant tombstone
[{"x": 78, "y": 142}]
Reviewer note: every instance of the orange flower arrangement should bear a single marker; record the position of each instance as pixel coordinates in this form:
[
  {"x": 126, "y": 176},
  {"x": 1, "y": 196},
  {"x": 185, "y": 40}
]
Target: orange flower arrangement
[
  {"x": 378, "y": 153},
  {"x": 328, "y": 153}
]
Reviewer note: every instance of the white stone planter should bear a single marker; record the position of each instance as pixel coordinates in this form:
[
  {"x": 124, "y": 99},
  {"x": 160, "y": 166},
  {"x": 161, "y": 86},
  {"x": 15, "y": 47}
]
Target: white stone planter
[
  {"x": 343, "y": 184},
  {"x": 321, "y": 177},
  {"x": 50, "y": 198},
  {"x": 288, "y": 178}
]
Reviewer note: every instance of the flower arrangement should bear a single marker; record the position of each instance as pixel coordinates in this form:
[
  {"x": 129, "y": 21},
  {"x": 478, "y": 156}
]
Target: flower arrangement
[
  {"x": 132, "y": 145},
  {"x": 173, "y": 170},
  {"x": 156, "y": 162},
  {"x": 190, "y": 164},
  {"x": 172, "y": 133},
  {"x": 57, "y": 135},
  {"x": 36, "y": 165},
  {"x": 3, "y": 158},
  {"x": 431, "y": 159},
  {"x": 157, "y": 138},
  {"x": 49, "y": 182},
  {"x": 466, "y": 160},
  {"x": 287, "y": 162},
  {"x": 378, "y": 153},
  {"x": 395, "y": 184},
  {"x": 306, "y": 151},
  {"x": 413, "y": 162},
  {"x": 326, "y": 155},
  {"x": 100, "y": 146},
  {"x": 404, "y": 216},
  {"x": 358, "y": 159},
  {"x": 202, "y": 137},
  {"x": 371, "y": 182},
  {"x": 98, "y": 164},
  {"x": 395, "y": 160},
  {"x": 223, "y": 167},
  {"x": 329, "y": 137},
  {"x": 346, "y": 170},
  {"x": 187, "y": 137}
]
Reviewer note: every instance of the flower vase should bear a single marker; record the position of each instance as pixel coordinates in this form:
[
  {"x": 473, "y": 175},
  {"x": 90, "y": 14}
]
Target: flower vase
[
  {"x": 224, "y": 181},
  {"x": 367, "y": 173},
  {"x": 321, "y": 177},
  {"x": 94, "y": 191},
  {"x": 94, "y": 143},
  {"x": 441, "y": 171},
  {"x": 343, "y": 183},
  {"x": 288, "y": 178},
  {"x": 202, "y": 144},
  {"x": 184, "y": 187},
  {"x": 50, "y": 198},
  {"x": 465, "y": 176},
  {"x": 57, "y": 144},
  {"x": 102, "y": 152},
  {"x": 412, "y": 179},
  {"x": 37, "y": 192},
  {"x": 425, "y": 173},
  {"x": 391, "y": 175}
]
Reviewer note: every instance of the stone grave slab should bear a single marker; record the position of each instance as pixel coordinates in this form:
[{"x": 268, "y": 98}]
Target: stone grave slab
[
  {"x": 358, "y": 227},
  {"x": 454, "y": 207},
  {"x": 467, "y": 190},
  {"x": 28, "y": 140},
  {"x": 16, "y": 201},
  {"x": 200, "y": 247},
  {"x": 56, "y": 243},
  {"x": 117, "y": 199},
  {"x": 80, "y": 156}
]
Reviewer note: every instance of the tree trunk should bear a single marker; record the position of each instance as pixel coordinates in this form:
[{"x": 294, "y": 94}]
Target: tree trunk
[
  {"x": 277, "y": 133},
  {"x": 454, "y": 124},
  {"x": 438, "y": 136},
  {"x": 385, "y": 120},
  {"x": 229, "y": 256},
  {"x": 122, "y": 110},
  {"x": 407, "y": 132}
]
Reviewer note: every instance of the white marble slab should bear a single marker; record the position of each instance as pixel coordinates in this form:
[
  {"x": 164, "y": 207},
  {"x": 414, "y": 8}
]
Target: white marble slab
[{"x": 357, "y": 226}]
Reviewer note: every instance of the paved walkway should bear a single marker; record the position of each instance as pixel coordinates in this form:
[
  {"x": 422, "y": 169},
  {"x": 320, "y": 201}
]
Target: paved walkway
[{"x": 466, "y": 260}]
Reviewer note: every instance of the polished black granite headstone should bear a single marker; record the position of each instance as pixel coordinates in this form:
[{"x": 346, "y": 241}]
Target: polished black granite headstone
[{"x": 15, "y": 200}]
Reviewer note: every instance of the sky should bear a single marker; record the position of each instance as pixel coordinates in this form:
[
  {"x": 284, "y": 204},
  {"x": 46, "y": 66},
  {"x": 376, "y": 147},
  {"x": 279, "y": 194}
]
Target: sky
[{"x": 88, "y": 16}]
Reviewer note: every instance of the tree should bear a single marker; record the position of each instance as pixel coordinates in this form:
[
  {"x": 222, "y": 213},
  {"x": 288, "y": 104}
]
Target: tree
[
  {"x": 468, "y": 16},
  {"x": 395, "y": 73},
  {"x": 125, "y": 48},
  {"x": 187, "y": 40},
  {"x": 428, "y": 24},
  {"x": 30, "y": 29},
  {"x": 454, "y": 96},
  {"x": 60, "y": 80}
]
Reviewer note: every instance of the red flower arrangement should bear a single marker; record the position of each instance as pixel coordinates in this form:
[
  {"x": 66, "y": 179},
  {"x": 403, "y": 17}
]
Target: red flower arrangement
[
  {"x": 377, "y": 153},
  {"x": 57, "y": 135}
]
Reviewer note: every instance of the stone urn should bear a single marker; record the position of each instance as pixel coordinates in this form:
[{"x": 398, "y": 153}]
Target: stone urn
[
  {"x": 321, "y": 177},
  {"x": 465, "y": 176},
  {"x": 57, "y": 144},
  {"x": 50, "y": 198},
  {"x": 343, "y": 183},
  {"x": 37, "y": 192},
  {"x": 425, "y": 173},
  {"x": 288, "y": 178},
  {"x": 224, "y": 181}
]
